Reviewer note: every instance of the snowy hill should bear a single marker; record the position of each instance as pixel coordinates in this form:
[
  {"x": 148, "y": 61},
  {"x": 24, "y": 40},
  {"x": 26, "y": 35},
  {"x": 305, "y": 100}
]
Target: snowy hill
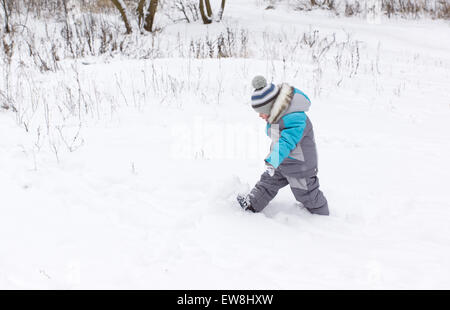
[{"x": 121, "y": 171}]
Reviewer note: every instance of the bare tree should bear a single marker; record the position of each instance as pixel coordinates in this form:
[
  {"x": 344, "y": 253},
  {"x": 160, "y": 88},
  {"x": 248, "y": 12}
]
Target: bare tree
[
  {"x": 7, "y": 11},
  {"x": 146, "y": 10},
  {"x": 207, "y": 16},
  {"x": 121, "y": 6},
  {"x": 222, "y": 8},
  {"x": 141, "y": 12},
  {"x": 150, "y": 17},
  {"x": 188, "y": 8}
]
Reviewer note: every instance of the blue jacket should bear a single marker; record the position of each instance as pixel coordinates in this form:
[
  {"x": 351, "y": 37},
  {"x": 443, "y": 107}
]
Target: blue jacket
[{"x": 293, "y": 149}]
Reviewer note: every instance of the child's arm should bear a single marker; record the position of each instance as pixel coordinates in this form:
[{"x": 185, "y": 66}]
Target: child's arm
[{"x": 294, "y": 125}]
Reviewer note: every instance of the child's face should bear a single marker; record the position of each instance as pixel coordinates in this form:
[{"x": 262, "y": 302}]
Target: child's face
[{"x": 264, "y": 116}]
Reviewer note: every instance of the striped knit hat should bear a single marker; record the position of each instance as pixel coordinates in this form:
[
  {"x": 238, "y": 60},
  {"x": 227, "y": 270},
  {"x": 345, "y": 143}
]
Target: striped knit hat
[{"x": 264, "y": 95}]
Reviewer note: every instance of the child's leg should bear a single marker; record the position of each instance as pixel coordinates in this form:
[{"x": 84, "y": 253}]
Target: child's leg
[
  {"x": 306, "y": 191},
  {"x": 266, "y": 189}
]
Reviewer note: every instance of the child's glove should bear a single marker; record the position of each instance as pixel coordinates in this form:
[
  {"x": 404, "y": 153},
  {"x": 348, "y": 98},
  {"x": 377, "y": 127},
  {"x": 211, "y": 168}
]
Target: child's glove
[{"x": 270, "y": 169}]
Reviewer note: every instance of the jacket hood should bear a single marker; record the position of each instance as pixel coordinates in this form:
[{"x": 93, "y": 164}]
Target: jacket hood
[
  {"x": 281, "y": 103},
  {"x": 289, "y": 100}
]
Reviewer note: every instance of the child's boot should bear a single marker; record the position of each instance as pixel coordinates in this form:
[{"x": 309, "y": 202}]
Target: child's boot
[{"x": 244, "y": 202}]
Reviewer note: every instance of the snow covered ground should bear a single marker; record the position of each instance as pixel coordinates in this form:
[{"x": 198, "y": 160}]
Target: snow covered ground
[{"x": 139, "y": 190}]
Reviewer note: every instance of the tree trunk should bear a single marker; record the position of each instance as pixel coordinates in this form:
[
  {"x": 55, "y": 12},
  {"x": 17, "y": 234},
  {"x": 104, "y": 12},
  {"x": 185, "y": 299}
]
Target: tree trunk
[
  {"x": 120, "y": 5},
  {"x": 140, "y": 12},
  {"x": 150, "y": 18},
  {"x": 6, "y": 11},
  {"x": 222, "y": 8},
  {"x": 207, "y": 19},
  {"x": 208, "y": 9},
  {"x": 207, "y": 16}
]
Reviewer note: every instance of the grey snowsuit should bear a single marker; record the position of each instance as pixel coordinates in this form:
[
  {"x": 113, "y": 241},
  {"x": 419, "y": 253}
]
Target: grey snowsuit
[{"x": 292, "y": 153}]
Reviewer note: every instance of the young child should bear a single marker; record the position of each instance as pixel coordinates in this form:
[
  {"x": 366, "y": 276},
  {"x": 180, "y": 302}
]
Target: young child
[{"x": 293, "y": 157}]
